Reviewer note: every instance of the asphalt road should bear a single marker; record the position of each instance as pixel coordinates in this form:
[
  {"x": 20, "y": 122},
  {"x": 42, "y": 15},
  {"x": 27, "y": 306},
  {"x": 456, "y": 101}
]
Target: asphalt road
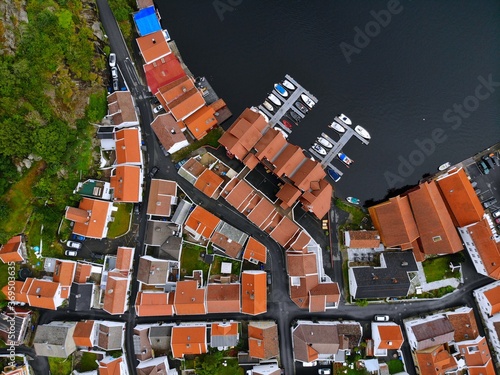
[{"x": 280, "y": 307}]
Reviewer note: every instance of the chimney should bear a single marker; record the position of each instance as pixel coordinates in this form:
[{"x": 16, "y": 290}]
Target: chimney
[
  {"x": 154, "y": 41},
  {"x": 394, "y": 280}
]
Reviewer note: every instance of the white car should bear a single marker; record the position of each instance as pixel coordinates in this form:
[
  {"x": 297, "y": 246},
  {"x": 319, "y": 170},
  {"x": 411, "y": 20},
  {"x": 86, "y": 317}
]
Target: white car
[
  {"x": 324, "y": 371},
  {"x": 496, "y": 213},
  {"x": 71, "y": 253},
  {"x": 74, "y": 244},
  {"x": 381, "y": 318},
  {"x": 114, "y": 72},
  {"x": 158, "y": 109},
  {"x": 112, "y": 60}
]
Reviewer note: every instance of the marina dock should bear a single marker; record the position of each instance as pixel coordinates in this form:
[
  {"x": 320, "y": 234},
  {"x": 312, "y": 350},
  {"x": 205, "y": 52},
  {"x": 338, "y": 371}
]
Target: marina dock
[{"x": 326, "y": 160}]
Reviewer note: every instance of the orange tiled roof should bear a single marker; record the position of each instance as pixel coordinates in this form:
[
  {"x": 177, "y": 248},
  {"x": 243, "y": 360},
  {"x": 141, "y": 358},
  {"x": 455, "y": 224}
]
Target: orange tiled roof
[
  {"x": 394, "y": 221},
  {"x": 126, "y": 183},
  {"x": 43, "y": 293},
  {"x": 20, "y": 296},
  {"x": 169, "y": 132},
  {"x": 83, "y": 333},
  {"x": 209, "y": 183},
  {"x": 161, "y": 195},
  {"x": 115, "y": 296},
  {"x": 307, "y": 173},
  {"x": 288, "y": 160},
  {"x": 194, "y": 167},
  {"x": 435, "y": 361},
  {"x": 121, "y": 108},
  {"x": 255, "y": 250},
  {"x": 435, "y": 226},
  {"x": 300, "y": 241},
  {"x": 261, "y": 214},
  {"x": 263, "y": 340},
  {"x": 201, "y": 121},
  {"x": 96, "y": 224},
  {"x": 299, "y": 294},
  {"x": 189, "y": 299},
  {"x": 219, "y": 329},
  {"x": 110, "y": 366},
  {"x": 188, "y": 340},
  {"x": 223, "y": 298},
  {"x": 253, "y": 292},
  {"x": 363, "y": 239},
  {"x": 270, "y": 144},
  {"x": 493, "y": 297},
  {"x": 300, "y": 264},
  {"x": 10, "y": 251},
  {"x": 77, "y": 215},
  {"x": 230, "y": 247},
  {"x": 284, "y": 231},
  {"x": 318, "y": 201},
  {"x": 124, "y": 258},
  {"x": 202, "y": 222},
  {"x": 288, "y": 194},
  {"x": 460, "y": 197},
  {"x": 153, "y": 46},
  {"x": 186, "y": 104},
  {"x": 250, "y": 161},
  {"x": 391, "y": 336},
  {"x": 322, "y": 295},
  {"x": 64, "y": 272},
  {"x": 171, "y": 91},
  {"x": 239, "y": 194},
  {"x": 128, "y": 146},
  {"x": 82, "y": 273},
  {"x": 162, "y": 72},
  {"x": 154, "y": 304},
  {"x": 488, "y": 249}
]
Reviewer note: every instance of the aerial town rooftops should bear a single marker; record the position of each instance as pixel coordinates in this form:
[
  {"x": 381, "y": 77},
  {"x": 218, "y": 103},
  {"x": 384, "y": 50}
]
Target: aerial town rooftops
[
  {"x": 126, "y": 182},
  {"x": 163, "y": 71},
  {"x": 362, "y": 239},
  {"x": 223, "y": 298},
  {"x": 201, "y": 222},
  {"x": 169, "y": 132},
  {"x": 153, "y": 46},
  {"x": 121, "y": 109},
  {"x": 318, "y": 199},
  {"x": 162, "y": 194},
  {"x": 253, "y": 292},
  {"x": 201, "y": 121},
  {"x": 284, "y": 231},
  {"x": 154, "y": 304},
  {"x": 254, "y": 250},
  {"x": 189, "y": 298},
  {"x": 91, "y": 218},
  {"x": 263, "y": 340},
  {"x": 128, "y": 146},
  {"x": 188, "y": 339},
  {"x": 14, "y": 250},
  {"x": 209, "y": 183}
]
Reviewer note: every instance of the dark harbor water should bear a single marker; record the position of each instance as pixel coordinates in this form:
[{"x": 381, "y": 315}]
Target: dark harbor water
[{"x": 423, "y": 79}]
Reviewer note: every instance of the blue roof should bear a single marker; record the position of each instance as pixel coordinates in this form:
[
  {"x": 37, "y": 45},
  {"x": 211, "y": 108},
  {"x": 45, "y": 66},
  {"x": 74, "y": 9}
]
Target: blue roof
[{"x": 146, "y": 21}]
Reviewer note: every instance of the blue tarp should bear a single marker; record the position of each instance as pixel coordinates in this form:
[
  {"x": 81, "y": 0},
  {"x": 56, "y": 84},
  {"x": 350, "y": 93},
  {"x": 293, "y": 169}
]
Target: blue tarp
[{"x": 146, "y": 21}]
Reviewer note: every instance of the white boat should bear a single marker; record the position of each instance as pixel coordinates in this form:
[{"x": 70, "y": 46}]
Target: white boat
[
  {"x": 337, "y": 127},
  {"x": 268, "y": 106},
  {"x": 320, "y": 150},
  {"x": 444, "y": 166},
  {"x": 344, "y": 158},
  {"x": 281, "y": 90},
  {"x": 345, "y": 119},
  {"x": 324, "y": 142},
  {"x": 307, "y": 100},
  {"x": 353, "y": 200},
  {"x": 274, "y": 99},
  {"x": 289, "y": 85},
  {"x": 285, "y": 134},
  {"x": 362, "y": 132}
]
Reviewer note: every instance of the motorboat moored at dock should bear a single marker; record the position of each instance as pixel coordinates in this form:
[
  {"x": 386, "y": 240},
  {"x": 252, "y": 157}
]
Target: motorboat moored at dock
[
  {"x": 301, "y": 107},
  {"x": 307, "y": 100},
  {"x": 287, "y": 123},
  {"x": 345, "y": 159},
  {"x": 295, "y": 117},
  {"x": 320, "y": 150},
  {"x": 281, "y": 90},
  {"x": 444, "y": 166},
  {"x": 353, "y": 200},
  {"x": 324, "y": 142},
  {"x": 334, "y": 175},
  {"x": 362, "y": 132},
  {"x": 268, "y": 106},
  {"x": 337, "y": 127},
  {"x": 345, "y": 119},
  {"x": 274, "y": 99},
  {"x": 289, "y": 85}
]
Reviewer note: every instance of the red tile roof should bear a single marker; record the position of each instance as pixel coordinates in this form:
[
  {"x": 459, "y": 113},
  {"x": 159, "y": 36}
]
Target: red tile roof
[
  {"x": 194, "y": 167},
  {"x": 82, "y": 273},
  {"x": 323, "y": 295},
  {"x": 94, "y": 224},
  {"x": 188, "y": 340},
  {"x": 477, "y": 357},
  {"x": 128, "y": 146},
  {"x": 161, "y": 195},
  {"x": 284, "y": 231},
  {"x": 488, "y": 249},
  {"x": 493, "y": 297},
  {"x": 262, "y": 213},
  {"x": 263, "y": 340},
  {"x": 189, "y": 298},
  {"x": 20, "y": 295},
  {"x": 223, "y": 242},
  {"x": 250, "y": 161},
  {"x": 300, "y": 242},
  {"x": 308, "y": 172},
  {"x": 201, "y": 121},
  {"x": 223, "y": 298},
  {"x": 253, "y": 292},
  {"x": 362, "y": 239},
  {"x": 435, "y": 361},
  {"x": 153, "y": 46},
  {"x": 318, "y": 201},
  {"x": 110, "y": 366},
  {"x": 11, "y": 251},
  {"x": 239, "y": 194},
  {"x": 83, "y": 333},
  {"x": 435, "y": 226},
  {"x": 171, "y": 91},
  {"x": 255, "y": 250},
  {"x": 202, "y": 222},
  {"x": 391, "y": 336},
  {"x": 288, "y": 160},
  {"x": 64, "y": 271},
  {"x": 121, "y": 108},
  {"x": 288, "y": 194},
  {"x": 124, "y": 258},
  {"x": 460, "y": 197},
  {"x": 186, "y": 105},
  {"x": 115, "y": 295},
  {"x": 209, "y": 183},
  {"x": 169, "y": 132},
  {"x": 300, "y": 288},
  {"x": 220, "y": 329},
  {"x": 154, "y": 304},
  {"x": 42, "y": 293},
  {"x": 300, "y": 264},
  {"x": 394, "y": 221},
  {"x": 126, "y": 182},
  {"x": 163, "y": 71},
  {"x": 270, "y": 144}
]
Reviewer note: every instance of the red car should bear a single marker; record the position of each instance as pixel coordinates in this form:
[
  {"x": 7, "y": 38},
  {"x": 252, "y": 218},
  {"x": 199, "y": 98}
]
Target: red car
[
  {"x": 497, "y": 220},
  {"x": 287, "y": 123}
]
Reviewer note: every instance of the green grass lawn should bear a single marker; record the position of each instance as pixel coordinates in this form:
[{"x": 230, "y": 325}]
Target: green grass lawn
[
  {"x": 216, "y": 265},
  {"x": 439, "y": 268},
  {"x": 121, "y": 224},
  {"x": 395, "y": 366},
  {"x": 211, "y": 139},
  {"x": 356, "y": 213},
  {"x": 190, "y": 261},
  {"x": 61, "y": 366},
  {"x": 87, "y": 362}
]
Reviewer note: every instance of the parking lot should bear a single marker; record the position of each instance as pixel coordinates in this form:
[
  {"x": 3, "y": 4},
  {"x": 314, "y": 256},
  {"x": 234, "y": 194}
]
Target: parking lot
[{"x": 487, "y": 185}]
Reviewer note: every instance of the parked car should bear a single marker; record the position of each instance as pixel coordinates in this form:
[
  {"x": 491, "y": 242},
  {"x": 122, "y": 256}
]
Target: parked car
[
  {"x": 112, "y": 60},
  {"x": 324, "y": 371},
  {"x": 269, "y": 278},
  {"x": 115, "y": 84},
  {"x": 488, "y": 162},
  {"x": 153, "y": 171},
  {"x": 71, "y": 253},
  {"x": 114, "y": 72},
  {"x": 77, "y": 237},
  {"x": 496, "y": 213},
  {"x": 483, "y": 168},
  {"x": 490, "y": 202},
  {"x": 497, "y": 220},
  {"x": 158, "y": 109},
  {"x": 381, "y": 318},
  {"x": 74, "y": 244}
]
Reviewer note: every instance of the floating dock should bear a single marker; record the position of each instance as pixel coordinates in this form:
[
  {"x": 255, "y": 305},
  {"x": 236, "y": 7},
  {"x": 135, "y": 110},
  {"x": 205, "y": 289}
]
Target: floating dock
[{"x": 326, "y": 160}]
